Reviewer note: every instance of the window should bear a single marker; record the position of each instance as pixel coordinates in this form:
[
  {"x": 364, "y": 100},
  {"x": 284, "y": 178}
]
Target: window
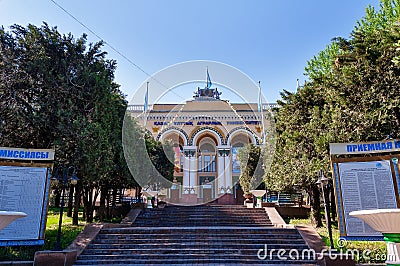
[
  {"x": 207, "y": 162},
  {"x": 206, "y": 158},
  {"x": 207, "y": 147},
  {"x": 213, "y": 164},
  {"x": 200, "y": 164}
]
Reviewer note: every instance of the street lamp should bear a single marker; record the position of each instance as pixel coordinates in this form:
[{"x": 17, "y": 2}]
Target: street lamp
[
  {"x": 322, "y": 183},
  {"x": 64, "y": 180}
]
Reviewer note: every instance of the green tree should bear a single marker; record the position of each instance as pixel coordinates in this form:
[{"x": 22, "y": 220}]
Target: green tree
[
  {"x": 351, "y": 95},
  {"x": 149, "y": 160},
  {"x": 251, "y": 165},
  {"x": 297, "y": 160},
  {"x": 58, "y": 92}
]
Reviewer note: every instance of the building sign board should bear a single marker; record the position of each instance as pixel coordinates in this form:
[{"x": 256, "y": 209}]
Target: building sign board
[
  {"x": 363, "y": 148},
  {"x": 206, "y": 123},
  {"x": 26, "y": 154}
]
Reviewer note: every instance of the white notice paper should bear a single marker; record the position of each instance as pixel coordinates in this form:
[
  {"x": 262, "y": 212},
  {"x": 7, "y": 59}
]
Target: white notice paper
[
  {"x": 22, "y": 190},
  {"x": 365, "y": 186}
]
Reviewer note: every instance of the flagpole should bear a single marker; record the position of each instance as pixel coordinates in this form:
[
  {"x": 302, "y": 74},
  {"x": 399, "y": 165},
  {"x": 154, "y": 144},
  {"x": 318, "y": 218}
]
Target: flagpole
[
  {"x": 261, "y": 111},
  {"x": 207, "y": 78},
  {"x": 146, "y": 104},
  {"x": 259, "y": 97}
]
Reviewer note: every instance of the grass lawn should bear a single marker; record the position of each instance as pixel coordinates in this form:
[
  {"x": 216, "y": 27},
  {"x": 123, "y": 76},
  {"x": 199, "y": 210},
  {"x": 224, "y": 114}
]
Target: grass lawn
[
  {"x": 377, "y": 249},
  {"x": 69, "y": 233}
]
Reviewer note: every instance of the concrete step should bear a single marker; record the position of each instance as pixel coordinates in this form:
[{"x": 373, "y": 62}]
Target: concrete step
[
  {"x": 219, "y": 214},
  {"x": 209, "y": 236},
  {"x": 190, "y": 261},
  {"x": 178, "y": 224},
  {"x": 199, "y": 241},
  {"x": 151, "y": 212},
  {"x": 200, "y": 230},
  {"x": 186, "y": 249},
  {"x": 216, "y": 216},
  {"x": 176, "y": 258}
]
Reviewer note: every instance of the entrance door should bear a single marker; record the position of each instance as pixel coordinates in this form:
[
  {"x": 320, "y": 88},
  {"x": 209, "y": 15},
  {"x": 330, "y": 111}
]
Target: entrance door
[{"x": 207, "y": 188}]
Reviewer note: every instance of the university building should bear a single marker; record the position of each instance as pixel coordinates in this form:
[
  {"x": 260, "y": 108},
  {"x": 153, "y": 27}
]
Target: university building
[{"x": 207, "y": 133}]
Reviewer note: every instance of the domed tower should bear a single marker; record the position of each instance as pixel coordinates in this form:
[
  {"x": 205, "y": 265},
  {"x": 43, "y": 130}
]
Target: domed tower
[{"x": 207, "y": 93}]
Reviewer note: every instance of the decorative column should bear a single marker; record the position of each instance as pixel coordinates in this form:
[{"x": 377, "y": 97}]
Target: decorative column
[
  {"x": 221, "y": 174},
  {"x": 193, "y": 172},
  {"x": 186, "y": 174},
  {"x": 189, "y": 175},
  {"x": 228, "y": 173},
  {"x": 223, "y": 170}
]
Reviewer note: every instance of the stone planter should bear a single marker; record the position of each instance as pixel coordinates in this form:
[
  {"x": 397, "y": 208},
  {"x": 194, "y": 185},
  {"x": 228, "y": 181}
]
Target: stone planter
[{"x": 386, "y": 221}]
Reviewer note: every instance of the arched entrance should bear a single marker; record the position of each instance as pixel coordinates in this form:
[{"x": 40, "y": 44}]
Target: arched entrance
[{"x": 207, "y": 166}]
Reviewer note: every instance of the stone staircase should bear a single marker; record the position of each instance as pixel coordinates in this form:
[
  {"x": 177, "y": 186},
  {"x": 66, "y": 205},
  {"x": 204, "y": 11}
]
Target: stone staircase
[{"x": 196, "y": 235}]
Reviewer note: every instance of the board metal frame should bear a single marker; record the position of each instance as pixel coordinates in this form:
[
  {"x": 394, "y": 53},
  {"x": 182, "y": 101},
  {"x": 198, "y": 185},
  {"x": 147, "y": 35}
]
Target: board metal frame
[
  {"x": 393, "y": 156},
  {"x": 42, "y": 163}
]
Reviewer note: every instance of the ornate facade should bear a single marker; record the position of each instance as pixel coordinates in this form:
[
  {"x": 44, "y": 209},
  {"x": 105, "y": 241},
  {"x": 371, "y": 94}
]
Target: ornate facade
[{"x": 207, "y": 133}]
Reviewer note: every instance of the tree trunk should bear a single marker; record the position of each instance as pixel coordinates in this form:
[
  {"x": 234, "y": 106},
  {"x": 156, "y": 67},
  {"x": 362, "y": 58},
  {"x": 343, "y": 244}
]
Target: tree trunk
[
  {"x": 114, "y": 197},
  {"x": 57, "y": 198},
  {"x": 70, "y": 200},
  {"x": 101, "y": 214},
  {"x": 315, "y": 206},
  {"x": 136, "y": 193},
  {"x": 77, "y": 204},
  {"x": 87, "y": 203},
  {"x": 96, "y": 194},
  {"x": 108, "y": 205}
]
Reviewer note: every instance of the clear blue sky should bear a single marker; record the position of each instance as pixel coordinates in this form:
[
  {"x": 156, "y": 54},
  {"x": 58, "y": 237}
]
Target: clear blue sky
[{"x": 270, "y": 41}]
